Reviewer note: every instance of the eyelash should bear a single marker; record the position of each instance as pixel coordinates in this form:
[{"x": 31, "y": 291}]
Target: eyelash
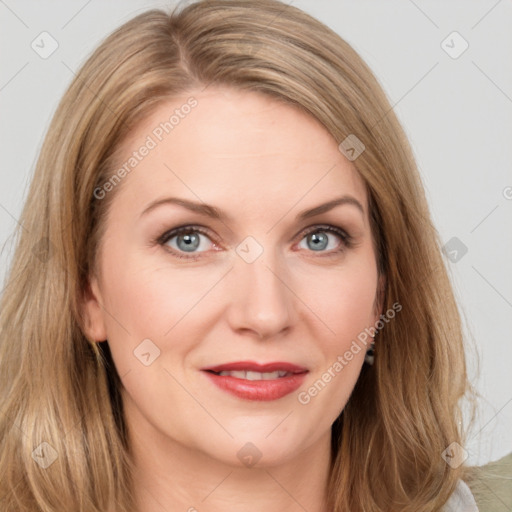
[{"x": 346, "y": 239}]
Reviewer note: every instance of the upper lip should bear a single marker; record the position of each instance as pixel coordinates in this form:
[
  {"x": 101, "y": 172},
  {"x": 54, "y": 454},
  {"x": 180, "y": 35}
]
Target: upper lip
[{"x": 257, "y": 367}]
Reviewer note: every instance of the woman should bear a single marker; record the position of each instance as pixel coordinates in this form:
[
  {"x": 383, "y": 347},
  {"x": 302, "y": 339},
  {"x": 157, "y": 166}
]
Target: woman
[{"x": 229, "y": 289}]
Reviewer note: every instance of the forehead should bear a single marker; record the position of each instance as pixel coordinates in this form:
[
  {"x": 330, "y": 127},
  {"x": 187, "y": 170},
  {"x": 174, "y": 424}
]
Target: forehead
[{"x": 226, "y": 145}]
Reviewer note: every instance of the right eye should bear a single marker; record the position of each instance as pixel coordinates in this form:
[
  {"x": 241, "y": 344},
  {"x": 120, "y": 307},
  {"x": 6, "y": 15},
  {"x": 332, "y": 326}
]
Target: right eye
[{"x": 185, "y": 239}]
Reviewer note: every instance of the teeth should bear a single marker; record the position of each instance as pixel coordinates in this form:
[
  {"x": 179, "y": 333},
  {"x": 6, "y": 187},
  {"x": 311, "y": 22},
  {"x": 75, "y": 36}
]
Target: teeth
[
  {"x": 239, "y": 374},
  {"x": 256, "y": 376},
  {"x": 250, "y": 375}
]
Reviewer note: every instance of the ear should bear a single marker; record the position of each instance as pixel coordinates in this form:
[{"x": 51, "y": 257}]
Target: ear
[{"x": 92, "y": 312}]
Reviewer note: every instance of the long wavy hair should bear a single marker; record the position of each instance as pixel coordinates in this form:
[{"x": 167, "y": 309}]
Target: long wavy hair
[{"x": 60, "y": 397}]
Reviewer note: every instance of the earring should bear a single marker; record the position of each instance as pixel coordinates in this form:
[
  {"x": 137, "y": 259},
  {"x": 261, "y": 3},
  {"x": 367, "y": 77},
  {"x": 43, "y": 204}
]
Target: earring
[{"x": 369, "y": 358}]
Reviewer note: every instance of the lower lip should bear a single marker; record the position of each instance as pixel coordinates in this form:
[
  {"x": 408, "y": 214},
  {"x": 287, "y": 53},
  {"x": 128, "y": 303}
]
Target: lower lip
[{"x": 263, "y": 390}]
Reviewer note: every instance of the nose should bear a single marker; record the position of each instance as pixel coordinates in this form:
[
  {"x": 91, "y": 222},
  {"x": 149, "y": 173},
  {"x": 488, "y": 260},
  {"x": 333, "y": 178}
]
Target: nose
[{"x": 261, "y": 300}]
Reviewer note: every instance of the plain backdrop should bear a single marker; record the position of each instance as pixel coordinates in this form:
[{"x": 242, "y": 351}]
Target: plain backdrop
[{"x": 446, "y": 67}]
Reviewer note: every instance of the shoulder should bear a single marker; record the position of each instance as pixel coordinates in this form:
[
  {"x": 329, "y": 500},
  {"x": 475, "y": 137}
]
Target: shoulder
[
  {"x": 462, "y": 500},
  {"x": 491, "y": 485}
]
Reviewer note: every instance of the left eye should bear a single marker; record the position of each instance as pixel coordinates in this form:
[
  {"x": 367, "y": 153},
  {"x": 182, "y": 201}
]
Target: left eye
[{"x": 318, "y": 239}]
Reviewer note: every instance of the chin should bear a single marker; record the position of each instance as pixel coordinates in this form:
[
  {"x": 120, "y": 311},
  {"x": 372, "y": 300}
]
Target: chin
[{"x": 264, "y": 444}]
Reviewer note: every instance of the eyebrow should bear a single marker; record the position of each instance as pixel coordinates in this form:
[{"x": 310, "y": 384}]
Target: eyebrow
[{"x": 215, "y": 213}]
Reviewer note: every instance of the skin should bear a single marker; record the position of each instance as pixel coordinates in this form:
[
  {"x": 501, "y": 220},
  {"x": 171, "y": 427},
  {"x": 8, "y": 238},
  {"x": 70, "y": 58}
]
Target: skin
[{"x": 262, "y": 162}]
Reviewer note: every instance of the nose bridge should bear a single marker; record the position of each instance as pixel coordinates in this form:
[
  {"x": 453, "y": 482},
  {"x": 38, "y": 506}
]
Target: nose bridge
[{"x": 262, "y": 301}]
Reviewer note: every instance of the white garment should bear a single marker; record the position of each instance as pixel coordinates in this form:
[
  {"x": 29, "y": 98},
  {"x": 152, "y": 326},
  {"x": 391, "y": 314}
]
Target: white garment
[{"x": 462, "y": 500}]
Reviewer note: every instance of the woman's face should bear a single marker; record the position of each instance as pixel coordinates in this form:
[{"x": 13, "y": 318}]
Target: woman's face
[{"x": 257, "y": 278}]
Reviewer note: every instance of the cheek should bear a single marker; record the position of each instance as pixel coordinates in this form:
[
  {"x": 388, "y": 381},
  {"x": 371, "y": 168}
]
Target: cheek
[
  {"x": 149, "y": 300},
  {"x": 149, "y": 331},
  {"x": 344, "y": 304},
  {"x": 143, "y": 304},
  {"x": 343, "y": 300}
]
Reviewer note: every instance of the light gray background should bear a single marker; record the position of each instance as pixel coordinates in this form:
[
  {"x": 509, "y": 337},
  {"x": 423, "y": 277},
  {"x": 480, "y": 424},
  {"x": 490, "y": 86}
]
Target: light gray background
[{"x": 457, "y": 113}]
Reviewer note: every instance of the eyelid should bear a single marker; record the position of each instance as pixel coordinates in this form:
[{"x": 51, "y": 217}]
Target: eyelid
[{"x": 171, "y": 233}]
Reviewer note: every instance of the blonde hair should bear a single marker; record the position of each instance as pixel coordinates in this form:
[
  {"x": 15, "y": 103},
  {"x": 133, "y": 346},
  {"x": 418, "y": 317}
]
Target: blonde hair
[{"x": 61, "y": 389}]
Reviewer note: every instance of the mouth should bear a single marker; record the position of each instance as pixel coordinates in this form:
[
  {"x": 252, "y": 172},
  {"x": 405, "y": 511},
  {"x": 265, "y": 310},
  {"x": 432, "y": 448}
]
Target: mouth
[
  {"x": 252, "y": 375},
  {"x": 253, "y": 381}
]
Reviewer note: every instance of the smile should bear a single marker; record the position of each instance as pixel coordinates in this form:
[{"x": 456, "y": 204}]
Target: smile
[{"x": 252, "y": 381}]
